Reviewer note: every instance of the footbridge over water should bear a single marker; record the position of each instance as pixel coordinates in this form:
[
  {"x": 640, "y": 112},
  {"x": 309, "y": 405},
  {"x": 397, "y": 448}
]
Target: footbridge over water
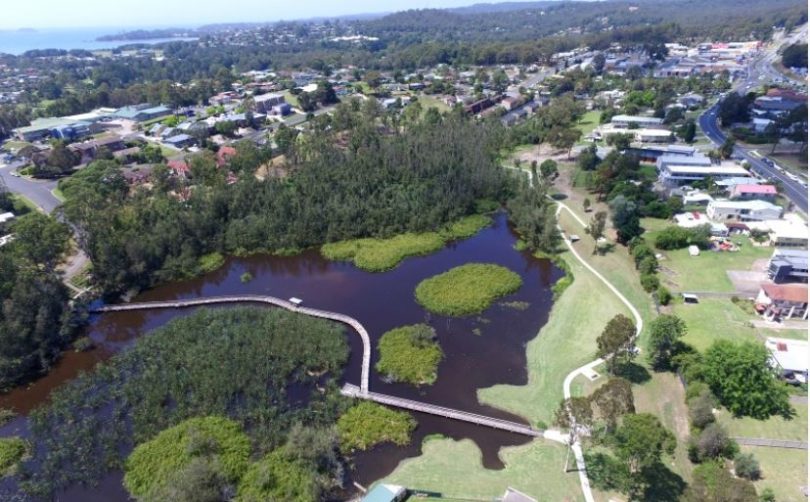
[
  {"x": 350, "y": 390},
  {"x": 278, "y": 302}
]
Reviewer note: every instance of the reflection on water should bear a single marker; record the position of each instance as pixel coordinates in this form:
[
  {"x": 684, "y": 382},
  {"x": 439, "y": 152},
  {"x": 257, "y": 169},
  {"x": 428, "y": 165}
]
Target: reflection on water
[{"x": 480, "y": 351}]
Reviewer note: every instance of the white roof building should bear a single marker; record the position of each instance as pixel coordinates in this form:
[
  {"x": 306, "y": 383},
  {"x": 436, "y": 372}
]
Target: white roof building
[
  {"x": 673, "y": 175},
  {"x": 4, "y": 217},
  {"x": 790, "y": 356},
  {"x": 743, "y": 210}
]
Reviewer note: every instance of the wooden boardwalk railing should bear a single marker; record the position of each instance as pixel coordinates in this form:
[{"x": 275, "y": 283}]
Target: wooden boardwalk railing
[
  {"x": 773, "y": 443},
  {"x": 278, "y": 302},
  {"x": 350, "y": 390}
]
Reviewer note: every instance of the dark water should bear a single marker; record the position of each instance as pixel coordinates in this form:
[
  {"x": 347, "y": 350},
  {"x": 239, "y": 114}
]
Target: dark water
[{"x": 480, "y": 351}]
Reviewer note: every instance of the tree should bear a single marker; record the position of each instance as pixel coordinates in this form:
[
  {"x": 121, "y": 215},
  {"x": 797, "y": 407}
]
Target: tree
[
  {"x": 40, "y": 239},
  {"x": 588, "y": 159},
  {"x": 741, "y": 377},
  {"x": 596, "y": 228},
  {"x": 620, "y": 141},
  {"x": 598, "y": 63},
  {"x": 733, "y": 108},
  {"x": 625, "y": 219},
  {"x": 373, "y": 79},
  {"x": 548, "y": 169},
  {"x": 574, "y": 411},
  {"x": 795, "y": 56},
  {"x": 701, "y": 409},
  {"x": 564, "y": 138},
  {"x": 641, "y": 440},
  {"x": 665, "y": 331},
  {"x": 727, "y": 148},
  {"x": 687, "y": 131},
  {"x": 62, "y": 158},
  {"x": 615, "y": 344},
  {"x": 500, "y": 81},
  {"x": 613, "y": 400}
]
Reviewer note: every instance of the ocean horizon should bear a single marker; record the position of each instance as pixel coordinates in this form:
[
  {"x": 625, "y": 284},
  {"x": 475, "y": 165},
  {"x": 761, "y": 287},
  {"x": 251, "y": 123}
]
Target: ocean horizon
[{"x": 19, "y": 41}]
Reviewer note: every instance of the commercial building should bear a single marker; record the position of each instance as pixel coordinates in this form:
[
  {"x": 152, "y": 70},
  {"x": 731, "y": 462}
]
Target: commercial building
[
  {"x": 782, "y": 301},
  {"x": 788, "y": 265},
  {"x": 751, "y": 210},
  {"x": 624, "y": 121},
  {"x": 266, "y": 102},
  {"x": 142, "y": 112},
  {"x": 684, "y": 173}
]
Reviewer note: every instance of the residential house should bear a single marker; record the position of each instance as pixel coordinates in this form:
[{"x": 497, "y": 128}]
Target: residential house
[
  {"x": 747, "y": 210},
  {"x": 137, "y": 174},
  {"x": 652, "y": 152},
  {"x": 788, "y": 265},
  {"x": 692, "y": 101},
  {"x": 127, "y": 154},
  {"x": 790, "y": 357},
  {"x": 753, "y": 192},
  {"x": 224, "y": 154},
  {"x": 695, "y": 219},
  {"x": 180, "y": 141},
  {"x": 788, "y": 234},
  {"x": 89, "y": 149},
  {"x": 179, "y": 168},
  {"x": 782, "y": 301}
]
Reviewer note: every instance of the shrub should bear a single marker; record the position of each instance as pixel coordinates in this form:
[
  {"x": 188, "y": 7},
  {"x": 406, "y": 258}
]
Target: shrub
[
  {"x": 649, "y": 282},
  {"x": 154, "y": 463},
  {"x": 563, "y": 282},
  {"x": 648, "y": 265},
  {"x": 663, "y": 295},
  {"x": 83, "y": 344},
  {"x": 410, "y": 354},
  {"x": 712, "y": 442},
  {"x": 246, "y": 277},
  {"x": 379, "y": 255},
  {"x": 468, "y": 289},
  {"x": 678, "y": 238},
  {"x": 12, "y": 450},
  {"x": 367, "y": 424},
  {"x": 746, "y": 466},
  {"x": 276, "y": 477},
  {"x": 210, "y": 262},
  {"x": 701, "y": 409},
  {"x": 712, "y": 481}
]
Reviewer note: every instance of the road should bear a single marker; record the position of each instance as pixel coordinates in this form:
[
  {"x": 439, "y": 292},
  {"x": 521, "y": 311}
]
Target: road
[
  {"x": 759, "y": 72},
  {"x": 37, "y": 191},
  {"x": 793, "y": 190}
]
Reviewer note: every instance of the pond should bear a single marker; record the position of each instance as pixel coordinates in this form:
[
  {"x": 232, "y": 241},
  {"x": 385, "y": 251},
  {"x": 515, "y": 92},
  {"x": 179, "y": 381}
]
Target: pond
[{"x": 480, "y": 351}]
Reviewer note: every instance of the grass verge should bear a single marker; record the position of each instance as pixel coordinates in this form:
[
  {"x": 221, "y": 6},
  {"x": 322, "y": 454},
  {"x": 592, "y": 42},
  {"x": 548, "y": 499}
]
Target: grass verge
[{"x": 454, "y": 469}]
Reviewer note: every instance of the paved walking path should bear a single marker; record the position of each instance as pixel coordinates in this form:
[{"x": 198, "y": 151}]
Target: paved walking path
[
  {"x": 584, "y": 370},
  {"x": 773, "y": 443}
]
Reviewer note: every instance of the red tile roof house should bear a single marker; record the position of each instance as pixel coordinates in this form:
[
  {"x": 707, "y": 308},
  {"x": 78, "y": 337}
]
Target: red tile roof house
[
  {"x": 223, "y": 154},
  {"x": 751, "y": 192},
  {"x": 783, "y": 301},
  {"x": 179, "y": 168}
]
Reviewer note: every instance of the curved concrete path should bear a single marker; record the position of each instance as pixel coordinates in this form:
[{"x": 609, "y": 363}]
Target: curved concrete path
[
  {"x": 278, "y": 302},
  {"x": 587, "y": 368}
]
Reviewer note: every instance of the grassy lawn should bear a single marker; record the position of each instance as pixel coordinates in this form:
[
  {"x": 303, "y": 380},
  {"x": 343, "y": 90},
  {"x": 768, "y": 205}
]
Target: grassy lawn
[
  {"x": 664, "y": 396},
  {"x": 567, "y": 341},
  {"x": 588, "y": 122},
  {"x": 432, "y": 102},
  {"x": 14, "y": 145},
  {"x": 453, "y": 468},
  {"x": 57, "y": 192},
  {"x": 680, "y": 271},
  {"x": 773, "y": 428},
  {"x": 716, "y": 319},
  {"x": 291, "y": 98},
  {"x": 783, "y": 471}
]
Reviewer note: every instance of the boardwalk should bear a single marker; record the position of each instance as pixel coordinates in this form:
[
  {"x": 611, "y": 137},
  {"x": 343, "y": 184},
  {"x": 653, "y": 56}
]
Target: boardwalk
[
  {"x": 350, "y": 390},
  {"x": 278, "y": 302}
]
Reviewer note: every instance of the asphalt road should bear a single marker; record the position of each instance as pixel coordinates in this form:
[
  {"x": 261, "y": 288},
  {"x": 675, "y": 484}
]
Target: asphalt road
[
  {"x": 38, "y": 191},
  {"x": 794, "y": 190},
  {"x": 759, "y": 72}
]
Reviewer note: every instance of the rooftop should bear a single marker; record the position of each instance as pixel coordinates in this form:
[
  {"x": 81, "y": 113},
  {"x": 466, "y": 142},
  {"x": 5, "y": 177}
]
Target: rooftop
[
  {"x": 795, "y": 257},
  {"x": 384, "y": 493},
  {"x": 745, "y": 204},
  {"x": 729, "y": 170},
  {"x": 755, "y": 189},
  {"x": 794, "y": 293},
  {"x": 636, "y": 118},
  {"x": 791, "y": 355}
]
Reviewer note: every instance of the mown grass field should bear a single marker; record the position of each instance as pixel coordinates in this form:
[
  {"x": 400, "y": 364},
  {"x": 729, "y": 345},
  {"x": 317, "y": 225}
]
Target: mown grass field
[
  {"x": 454, "y": 469},
  {"x": 783, "y": 471},
  {"x": 716, "y": 319},
  {"x": 773, "y": 428},
  {"x": 588, "y": 122}
]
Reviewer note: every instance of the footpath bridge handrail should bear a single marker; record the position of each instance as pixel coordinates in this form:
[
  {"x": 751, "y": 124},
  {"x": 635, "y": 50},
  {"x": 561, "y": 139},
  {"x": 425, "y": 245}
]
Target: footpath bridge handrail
[
  {"x": 442, "y": 411},
  {"x": 272, "y": 300}
]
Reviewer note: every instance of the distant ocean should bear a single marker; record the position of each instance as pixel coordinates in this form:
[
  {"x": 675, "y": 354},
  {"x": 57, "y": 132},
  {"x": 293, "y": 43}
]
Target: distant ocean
[{"x": 18, "y": 41}]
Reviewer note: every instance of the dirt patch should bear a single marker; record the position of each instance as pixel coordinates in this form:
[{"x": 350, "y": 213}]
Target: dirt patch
[{"x": 746, "y": 281}]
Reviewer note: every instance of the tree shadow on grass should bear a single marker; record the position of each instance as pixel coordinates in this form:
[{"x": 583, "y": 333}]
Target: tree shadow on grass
[
  {"x": 662, "y": 485},
  {"x": 633, "y": 372}
]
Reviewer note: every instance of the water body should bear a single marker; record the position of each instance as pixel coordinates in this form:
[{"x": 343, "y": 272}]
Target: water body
[
  {"x": 480, "y": 351},
  {"x": 18, "y": 41}
]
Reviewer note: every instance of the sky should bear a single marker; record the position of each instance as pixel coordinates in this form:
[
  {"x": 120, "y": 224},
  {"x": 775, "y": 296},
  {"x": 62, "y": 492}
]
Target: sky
[{"x": 156, "y": 13}]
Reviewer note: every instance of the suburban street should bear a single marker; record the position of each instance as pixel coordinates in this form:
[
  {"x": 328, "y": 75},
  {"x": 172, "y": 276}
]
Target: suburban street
[
  {"x": 760, "y": 71},
  {"x": 37, "y": 191}
]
